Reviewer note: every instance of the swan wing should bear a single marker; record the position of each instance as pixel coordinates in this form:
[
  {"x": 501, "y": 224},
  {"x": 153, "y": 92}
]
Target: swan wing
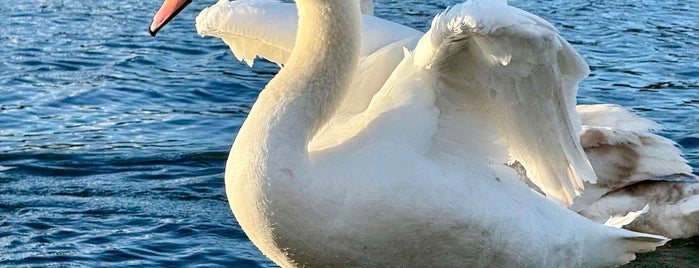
[
  {"x": 489, "y": 83},
  {"x": 623, "y": 152},
  {"x": 267, "y": 29},
  {"x": 527, "y": 76}
]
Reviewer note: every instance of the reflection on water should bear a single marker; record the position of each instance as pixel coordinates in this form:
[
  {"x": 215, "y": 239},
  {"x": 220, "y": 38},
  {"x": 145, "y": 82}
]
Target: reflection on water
[{"x": 114, "y": 143}]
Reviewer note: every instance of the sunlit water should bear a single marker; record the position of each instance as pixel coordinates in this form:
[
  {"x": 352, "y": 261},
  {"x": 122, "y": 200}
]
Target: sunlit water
[{"x": 113, "y": 143}]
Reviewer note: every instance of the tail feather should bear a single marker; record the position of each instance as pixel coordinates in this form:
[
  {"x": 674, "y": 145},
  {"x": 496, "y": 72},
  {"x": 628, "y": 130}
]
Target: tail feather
[
  {"x": 642, "y": 243},
  {"x": 627, "y": 245}
]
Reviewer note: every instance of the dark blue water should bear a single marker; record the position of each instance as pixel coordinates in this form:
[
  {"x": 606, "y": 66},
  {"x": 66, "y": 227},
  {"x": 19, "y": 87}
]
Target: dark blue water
[{"x": 113, "y": 143}]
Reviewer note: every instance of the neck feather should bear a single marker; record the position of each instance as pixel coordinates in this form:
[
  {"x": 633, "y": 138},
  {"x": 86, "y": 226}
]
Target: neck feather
[
  {"x": 307, "y": 91},
  {"x": 269, "y": 159}
]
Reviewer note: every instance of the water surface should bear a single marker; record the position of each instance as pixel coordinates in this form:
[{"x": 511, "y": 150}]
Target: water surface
[{"x": 114, "y": 143}]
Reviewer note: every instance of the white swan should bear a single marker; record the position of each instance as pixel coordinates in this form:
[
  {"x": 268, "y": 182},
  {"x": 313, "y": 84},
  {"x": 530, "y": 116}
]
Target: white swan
[
  {"x": 254, "y": 28},
  {"x": 416, "y": 178}
]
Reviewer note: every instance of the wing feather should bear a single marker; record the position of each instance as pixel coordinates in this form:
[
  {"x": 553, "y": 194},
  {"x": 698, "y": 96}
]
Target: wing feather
[
  {"x": 614, "y": 116},
  {"x": 623, "y": 152},
  {"x": 516, "y": 67},
  {"x": 263, "y": 28},
  {"x": 267, "y": 29}
]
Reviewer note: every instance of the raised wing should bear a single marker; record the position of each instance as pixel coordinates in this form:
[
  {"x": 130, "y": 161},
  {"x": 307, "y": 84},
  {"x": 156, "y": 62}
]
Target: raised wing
[
  {"x": 496, "y": 76},
  {"x": 267, "y": 29},
  {"x": 252, "y": 28},
  {"x": 527, "y": 76}
]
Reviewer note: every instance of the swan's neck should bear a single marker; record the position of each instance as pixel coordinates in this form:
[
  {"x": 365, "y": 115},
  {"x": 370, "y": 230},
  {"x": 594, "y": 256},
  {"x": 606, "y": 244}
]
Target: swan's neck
[
  {"x": 319, "y": 70},
  {"x": 307, "y": 91},
  {"x": 367, "y": 7}
]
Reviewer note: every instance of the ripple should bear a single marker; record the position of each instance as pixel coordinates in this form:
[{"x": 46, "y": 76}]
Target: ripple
[
  {"x": 114, "y": 143},
  {"x": 689, "y": 142}
]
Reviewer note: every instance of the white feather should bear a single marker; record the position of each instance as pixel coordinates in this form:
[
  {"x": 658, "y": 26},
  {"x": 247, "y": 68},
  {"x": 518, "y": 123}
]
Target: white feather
[
  {"x": 515, "y": 67},
  {"x": 635, "y": 168},
  {"x": 614, "y": 116},
  {"x": 267, "y": 29},
  {"x": 621, "y": 221}
]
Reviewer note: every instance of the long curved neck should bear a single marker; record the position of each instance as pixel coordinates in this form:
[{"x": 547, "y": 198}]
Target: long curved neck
[
  {"x": 325, "y": 56},
  {"x": 367, "y": 7},
  {"x": 306, "y": 92}
]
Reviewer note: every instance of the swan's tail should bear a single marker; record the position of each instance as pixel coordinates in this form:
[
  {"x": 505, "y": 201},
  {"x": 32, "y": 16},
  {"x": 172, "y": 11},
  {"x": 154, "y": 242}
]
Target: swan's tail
[
  {"x": 640, "y": 243},
  {"x": 624, "y": 247}
]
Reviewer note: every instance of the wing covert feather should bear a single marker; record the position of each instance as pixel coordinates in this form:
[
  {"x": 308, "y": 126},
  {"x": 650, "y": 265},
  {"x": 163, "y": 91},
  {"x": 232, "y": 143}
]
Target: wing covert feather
[
  {"x": 264, "y": 28},
  {"x": 267, "y": 29},
  {"x": 516, "y": 67}
]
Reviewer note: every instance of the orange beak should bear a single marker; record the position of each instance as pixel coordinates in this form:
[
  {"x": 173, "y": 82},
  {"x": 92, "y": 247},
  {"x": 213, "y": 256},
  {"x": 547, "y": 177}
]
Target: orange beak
[{"x": 167, "y": 12}]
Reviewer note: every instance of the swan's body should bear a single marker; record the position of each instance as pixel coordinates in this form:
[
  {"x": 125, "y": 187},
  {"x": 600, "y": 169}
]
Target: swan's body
[
  {"x": 411, "y": 172},
  {"x": 257, "y": 31}
]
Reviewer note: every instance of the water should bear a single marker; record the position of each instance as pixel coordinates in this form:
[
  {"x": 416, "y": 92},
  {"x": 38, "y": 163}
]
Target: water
[{"x": 114, "y": 142}]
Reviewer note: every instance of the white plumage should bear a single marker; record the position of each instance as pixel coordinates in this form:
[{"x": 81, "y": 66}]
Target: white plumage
[
  {"x": 382, "y": 51},
  {"x": 267, "y": 28},
  {"x": 400, "y": 159},
  {"x": 517, "y": 89}
]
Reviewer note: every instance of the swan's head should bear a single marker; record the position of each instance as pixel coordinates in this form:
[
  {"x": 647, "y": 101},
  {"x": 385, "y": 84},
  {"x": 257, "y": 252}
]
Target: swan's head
[{"x": 167, "y": 11}]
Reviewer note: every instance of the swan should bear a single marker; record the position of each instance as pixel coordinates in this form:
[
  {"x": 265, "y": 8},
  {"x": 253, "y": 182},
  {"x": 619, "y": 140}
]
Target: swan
[
  {"x": 416, "y": 177},
  {"x": 611, "y": 134}
]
